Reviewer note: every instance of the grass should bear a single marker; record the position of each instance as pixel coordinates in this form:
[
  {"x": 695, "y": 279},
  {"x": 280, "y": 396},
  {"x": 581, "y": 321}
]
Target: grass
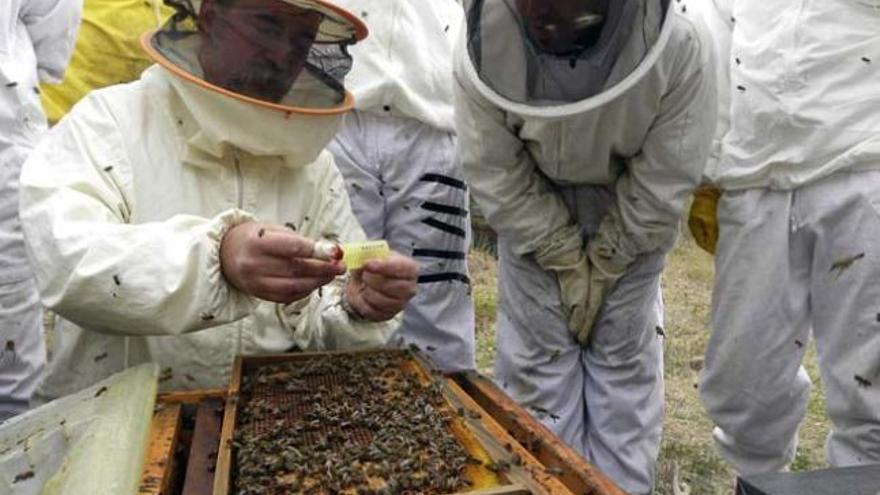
[
  {"x": 482, "y": 266},
  {"x": 688, "y": 462}
]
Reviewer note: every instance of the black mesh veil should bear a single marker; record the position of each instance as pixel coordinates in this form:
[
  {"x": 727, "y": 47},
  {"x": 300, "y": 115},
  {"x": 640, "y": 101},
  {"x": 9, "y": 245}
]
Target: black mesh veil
[
  {"x": 317, "y": 84},
  {"x": 507, "y": 59}
]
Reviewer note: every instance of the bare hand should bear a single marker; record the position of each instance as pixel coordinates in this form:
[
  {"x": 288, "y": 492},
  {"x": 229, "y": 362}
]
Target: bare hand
[
  {"x": 383, "y": 287},
  {"x": 273, "y": 263}
]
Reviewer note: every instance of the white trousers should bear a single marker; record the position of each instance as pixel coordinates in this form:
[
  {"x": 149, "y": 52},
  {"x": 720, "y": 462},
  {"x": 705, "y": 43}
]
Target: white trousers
[
  {"x": 406, "y": 187},
  {"x": 22, "y": 349},
  {"x": 789, "y": 261},
  {"x": 606, "y": 402}
]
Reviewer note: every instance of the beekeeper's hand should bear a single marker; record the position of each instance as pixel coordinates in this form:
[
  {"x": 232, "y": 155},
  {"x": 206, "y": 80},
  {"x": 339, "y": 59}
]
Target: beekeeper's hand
[
  {"x": 584, "y": 282},
  {"x": 585, "y": 277},
  {"x": 382, "y": 288},
  {"x": 703, "y": 217},
  {"x": 573, "y": 274},
  {"x": 273, "y": 263}
]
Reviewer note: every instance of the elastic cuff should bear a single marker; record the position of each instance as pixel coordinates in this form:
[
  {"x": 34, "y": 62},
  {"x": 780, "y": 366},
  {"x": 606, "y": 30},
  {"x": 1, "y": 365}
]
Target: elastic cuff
[
  {"x": 226, "y": 293},
  {"x": 345, "y": 331},
  {"x": 346, "y": 306}
]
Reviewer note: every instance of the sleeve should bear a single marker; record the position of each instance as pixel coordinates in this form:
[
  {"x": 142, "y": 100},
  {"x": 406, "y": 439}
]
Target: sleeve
[
  {"x": 717, "y": 17},
  {"x": 52, "y": 26},
  {"x": 653, "y": 190},
  {"x": 517, "y": 200},
  {"x": 319, "y": 321},
  {"x": 97, "y": 269}
]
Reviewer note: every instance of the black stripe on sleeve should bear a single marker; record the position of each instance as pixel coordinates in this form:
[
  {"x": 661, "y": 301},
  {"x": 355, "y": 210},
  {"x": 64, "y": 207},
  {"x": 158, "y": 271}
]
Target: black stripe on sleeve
[
  {"x": 438, "y": 253},
  {"x": 446, "y": 209},
  {"x": 445, "y": 227},
  {"x": 444, "y": 179},
  {"x": 443, "y": 277}
]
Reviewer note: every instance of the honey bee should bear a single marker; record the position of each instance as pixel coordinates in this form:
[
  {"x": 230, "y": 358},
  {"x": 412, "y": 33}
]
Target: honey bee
[{"x": 9, "y": 349}]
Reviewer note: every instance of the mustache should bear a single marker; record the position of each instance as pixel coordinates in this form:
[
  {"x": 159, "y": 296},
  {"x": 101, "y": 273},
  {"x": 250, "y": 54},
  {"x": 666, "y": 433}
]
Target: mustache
[{"x": 265, "y": 81}]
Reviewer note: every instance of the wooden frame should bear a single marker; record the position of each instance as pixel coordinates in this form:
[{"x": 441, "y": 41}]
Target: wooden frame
[
  {"x": 162, "y": 474},
  {"x": 159, "y": 465},
  {"x": 504, "y": 417},
  {"x": 205, "y": 447},
  {"x": 538, "y": 481},
  {"x": 575, "y": 472}
]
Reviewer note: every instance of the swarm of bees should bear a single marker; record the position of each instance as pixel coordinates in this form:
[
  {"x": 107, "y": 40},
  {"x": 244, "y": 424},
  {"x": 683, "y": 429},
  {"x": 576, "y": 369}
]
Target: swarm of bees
[{"x": 359, "y": 424}]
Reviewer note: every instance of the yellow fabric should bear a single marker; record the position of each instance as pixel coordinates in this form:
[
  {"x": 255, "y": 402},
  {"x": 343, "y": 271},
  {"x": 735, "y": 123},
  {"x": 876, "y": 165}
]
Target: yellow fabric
[
  {"x": 703, "y": 218},
  {"x": 107, "y": 50}
]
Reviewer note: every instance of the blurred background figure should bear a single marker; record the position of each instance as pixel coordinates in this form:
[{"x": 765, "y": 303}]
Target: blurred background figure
[
  {"x": 107, "y": 51},
  {"x": 797, "y": 156},
  {"x": 36, "y": 40},
  {"x": 397, "y": 154}
]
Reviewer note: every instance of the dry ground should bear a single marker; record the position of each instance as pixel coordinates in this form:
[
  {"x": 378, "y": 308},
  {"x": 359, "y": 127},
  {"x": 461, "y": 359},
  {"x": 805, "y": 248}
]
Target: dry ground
[{"x": 688, "y": 462}]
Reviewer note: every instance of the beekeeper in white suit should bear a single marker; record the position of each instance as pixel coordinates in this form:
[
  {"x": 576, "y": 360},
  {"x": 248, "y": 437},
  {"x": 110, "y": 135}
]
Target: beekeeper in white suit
[
  {"x": 396, "y": 152},
  {"x": 583, "y": 127},
  {"x": 175, "y": 219},
  {"x": 799, "y": 163},
  {"x": 36, "y": 41}
]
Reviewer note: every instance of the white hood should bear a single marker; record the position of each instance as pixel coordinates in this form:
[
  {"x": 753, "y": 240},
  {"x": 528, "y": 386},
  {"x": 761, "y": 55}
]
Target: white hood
[
  {"x": 504, "y": 62},
  {"x": 225, "y": 122}
]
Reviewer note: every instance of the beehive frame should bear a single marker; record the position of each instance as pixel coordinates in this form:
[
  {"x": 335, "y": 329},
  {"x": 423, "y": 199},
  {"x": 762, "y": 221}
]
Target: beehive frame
[{"x": 528, "y": 476}]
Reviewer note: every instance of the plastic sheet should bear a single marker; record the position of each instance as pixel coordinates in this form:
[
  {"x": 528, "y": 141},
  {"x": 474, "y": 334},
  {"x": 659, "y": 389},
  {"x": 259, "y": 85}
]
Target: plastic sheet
[{"x": 91, "y": 442}]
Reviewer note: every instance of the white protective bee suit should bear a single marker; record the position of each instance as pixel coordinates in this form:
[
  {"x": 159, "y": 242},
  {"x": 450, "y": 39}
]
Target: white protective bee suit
[
  {"x": 396, "y": 152},
  {"x": 36, "y": 41},
  {"x": 124, "y": 206},
  {"x": 798, "y": 159},
  {"x": 610, "y": 169}
]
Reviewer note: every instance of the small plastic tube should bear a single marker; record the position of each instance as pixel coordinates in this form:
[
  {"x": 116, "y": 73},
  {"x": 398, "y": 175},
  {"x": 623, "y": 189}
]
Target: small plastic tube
[{"x": 357, "y": 254}]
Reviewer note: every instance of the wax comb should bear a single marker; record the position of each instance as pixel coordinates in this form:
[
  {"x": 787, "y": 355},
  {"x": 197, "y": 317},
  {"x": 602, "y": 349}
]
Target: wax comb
[{"x": 357, "y": 254}]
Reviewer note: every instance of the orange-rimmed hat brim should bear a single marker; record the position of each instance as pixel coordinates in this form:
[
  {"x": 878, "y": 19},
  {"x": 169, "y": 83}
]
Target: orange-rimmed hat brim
[
  {"x": 360, "y": 28},
  {"x": 346, "y": 105}
]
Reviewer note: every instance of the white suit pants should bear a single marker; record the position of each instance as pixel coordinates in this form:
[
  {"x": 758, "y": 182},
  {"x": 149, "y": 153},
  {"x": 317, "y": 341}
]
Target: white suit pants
[
  {"x": 406, "y": 187},
  {"x": 22, "y": 349},
  {"x": 607, "y": 401},
  {"x": 789, "y": 261}
]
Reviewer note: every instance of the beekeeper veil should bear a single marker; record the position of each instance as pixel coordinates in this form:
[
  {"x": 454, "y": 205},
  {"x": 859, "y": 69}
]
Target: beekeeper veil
[
  {"x": 263, "y": 76},
  {"x": 289, "y": 53},
  {"x": 557, "y": 57}
]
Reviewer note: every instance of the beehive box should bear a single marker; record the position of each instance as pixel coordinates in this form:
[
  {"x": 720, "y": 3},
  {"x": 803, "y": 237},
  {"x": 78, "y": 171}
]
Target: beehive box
[{"x": 376, "y": 422}]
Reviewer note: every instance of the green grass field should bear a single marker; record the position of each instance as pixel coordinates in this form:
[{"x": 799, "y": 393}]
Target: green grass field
[{"x": 688, "y": 461}]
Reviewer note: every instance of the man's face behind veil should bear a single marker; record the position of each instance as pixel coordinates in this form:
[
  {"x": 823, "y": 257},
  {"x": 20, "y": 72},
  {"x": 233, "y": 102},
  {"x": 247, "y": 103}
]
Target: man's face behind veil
[
  {"x": 563, "y": 27},
  {"x": 255, "y": 47}
]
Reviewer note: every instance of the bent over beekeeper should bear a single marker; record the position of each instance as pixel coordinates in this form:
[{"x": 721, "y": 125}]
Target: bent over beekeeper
[
  {"x": 396, "y": 152},
  {"x": 174, "y": 219},
  {"x": 583, "y": 127}
]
